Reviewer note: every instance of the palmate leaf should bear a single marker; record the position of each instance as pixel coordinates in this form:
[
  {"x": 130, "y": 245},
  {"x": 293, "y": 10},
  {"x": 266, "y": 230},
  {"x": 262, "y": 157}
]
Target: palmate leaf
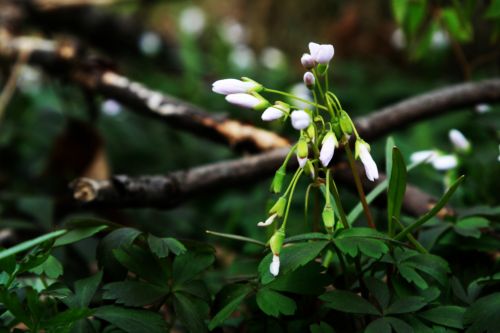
[
  {"x": 76, "y": 235},
  {"x": 84, "y": 291},
  {"x": 142, "y": 263},
  {"x": 227, "y": 301},
  {"x": 134, "y": 293},
  {"x": 132, "y": 320},
  {"x": 291, "y": 257},
  {"x": 446, "y": 315},
  {"x": 346, "y": 301},
  {"x": 191, "y": 312},
  {"x": 379, "y": 290},
  {"x": 406, "y": 305},
  {"x": 470, "y": 226},
  {"x": 190, "y": 264},
  {"x": 365, "y": 240},
  {"x": 273, "y": 303},
  {"x": 482, "y": 315},
  {"x": 162, "y": 246},
  {"x": 388, "y": 325},
  {"x": 51, "y": 267},
  {"x": 305, "y": 280},
  {"x": 322, "y": 327}
]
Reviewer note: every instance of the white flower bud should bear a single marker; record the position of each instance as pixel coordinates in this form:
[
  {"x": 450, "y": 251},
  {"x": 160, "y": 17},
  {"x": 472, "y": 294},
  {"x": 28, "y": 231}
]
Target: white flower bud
[
  {"x": 482, "y": 108},
  {"x": 272, "y": 113},
  {"x": 445, "y": 162},
  {"x": 268, "y": 222},
  {"x": 309, "y": 80},
  {"x": 307, "y": 61},
  {"x": 233, "y": 86},
  {"x": 426, "y": 156},
  {"x": 246, "y": 101},
  {"x": 458, "y": 140},
  {"x": 302, "y": 161},
  {"x": 300, "y": 119},
  {"x": 327, "y": 149},
  {"x": 322, "y": 54},
  {"x": 274, "y": 268},
  {"x": 362, "y": 150}
]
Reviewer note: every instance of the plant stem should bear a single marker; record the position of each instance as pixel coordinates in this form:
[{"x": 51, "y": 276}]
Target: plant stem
[
  {"x": 294, "y": 182},
  {"x": 412, "y": 239},
  {"x": 294, "y": 97},
  {"x": 359, "y": 186},
  {"x": 340, "y": 208}
]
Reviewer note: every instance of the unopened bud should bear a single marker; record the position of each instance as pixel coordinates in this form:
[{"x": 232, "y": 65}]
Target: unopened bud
[
  {"x": 307, "y": 61},
  {"x": 279, "y": 207},
  {"x": 302, "y": 149},
  {"x": 309, "y": 80},
  {"x": 345, "y": 123},
  {"x": 276, "y": 241},
  {"x": 328, "y": 216},
  {"x": 277, "y": 182}
]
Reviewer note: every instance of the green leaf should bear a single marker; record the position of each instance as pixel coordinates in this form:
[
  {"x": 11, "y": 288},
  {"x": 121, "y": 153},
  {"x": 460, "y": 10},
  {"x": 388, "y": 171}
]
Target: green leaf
[
  {"x": 142, "y": 263},
  {"x": 227, "y": 301},
  {"x": 482, "y": 315},
  {"x": 31, "y": 243},
  {"x": 458, "y": 28},
  {"x": 437, "y": 207},
  {"x": 389, "y": 145},
  {"x": 406, "y": 305},
  {"x": 398, "y": 325},
  {"x": 493, "y": 11},
  {"x": 446, "y": 315},
  {"x": 133, "y": 293},
  {"x": 306, "y": 237},
  {"x": 65, "y": 318},
  {"x": 189, "y": 311},
  {"x": 51, "y": 267},
  {"x": 470, "y": 227},
  {"x": 364, "y": 240},
  {"x": 431, "y": 264},
  {"x": 84, "y": 291},
  {"x": 397, "y": 188},
  {"x": 161, "y": 246},
  {"x": 76, "y": 235},
  {"x": 415, "y": 13},
  {"x": 380, "y": 325},
  {"x": 346, "y": 301},
  {"x": 322, "y": 327},
  {"x": 273, "y": 303},
  {"x": 399, "y": 10},
  {"x": 291, "y": 257},
  {"x": 8, "y": 264},
  {"x": 188, "y": 265},
  {"x": 306, "y": 280},
  {"x": 379, "y": 290},
  {"x": 132, "y": 320},
  {"x": 410, "y": 275},
  {"x": 195, "y": 288}
]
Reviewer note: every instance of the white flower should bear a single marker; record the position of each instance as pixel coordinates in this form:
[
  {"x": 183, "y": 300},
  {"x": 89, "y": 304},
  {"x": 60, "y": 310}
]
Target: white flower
[
  {"x": 300, "y": 119},
  {"x": 458, "y": 140},
  {"x": 268, "y": 222},
  {"x": 482, "y": 108},
  {"x": 274, "y": 268},
  {"x": 300, "y": 90},
  {"x": 150, "y": 43},
  {"x": 322, "y": 54},
  {"x": 242, "y": 57},
  {"x": 111, "y": 107},
  {"x": 302, "y": 161},
  {"x": 398, "y": 39},
  {"x": 272, "y": 113},
  {"x": 445, "y": 162},
  {"x": 192, "y": 20},
  {"x": 307, "y": 61},
  {"x": 244, "y": 100},
  {"x": 439, "y": 40},
  {"x": 327, "y": 149},
  {"x": 233, "y": 86},
  {"x": 272, "y": 58},
  {"x": 367, "y": 160},
  {"x": 426, "y": 156},
  {"x": 309, "y": 79}
]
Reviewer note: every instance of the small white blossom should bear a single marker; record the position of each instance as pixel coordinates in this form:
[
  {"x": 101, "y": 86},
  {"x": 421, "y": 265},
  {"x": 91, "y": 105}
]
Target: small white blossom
[
  {"x": 482, "y": 108},
  {"x": 272, "y": 113},
  {"x": 234, "y": 86},
  {"x": 302, "y": 161},
  {"x": 272, "y": 58},
  {"x": 458, "y": 140},
  {"x": 268, "y": 222},
  {"x": 111, "y": 107},
  {"x": 398, "y": 39},
  {"x": 192, "y": 20},
  {"x": 242, "y": 57},
  {"x": 243, "y": 100},
  {"x": 439, "y": 40},
  {"x": 307, "y": 61},
  {"x": 300, "y": 90},
  {"x": 426, "y": 156},
  {"x": 371, "y": 169},
  {"x": 445, "y": 162},
  {"x": 150, "y": 43},
  {"x": 322, "y": 54},
  {"x": 309, "y": 79},
  {"x": 274, "y": 268},
  {"x": 327, "y": 149},
  {"x": 300, "y": 119}
]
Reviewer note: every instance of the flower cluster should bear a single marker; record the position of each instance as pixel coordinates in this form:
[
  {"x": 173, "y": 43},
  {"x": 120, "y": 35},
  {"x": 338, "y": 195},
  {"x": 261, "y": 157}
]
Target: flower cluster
[{"x": 323, "y": 127}]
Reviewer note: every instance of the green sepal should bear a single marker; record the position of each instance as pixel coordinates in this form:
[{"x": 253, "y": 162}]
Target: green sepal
[
  {"x": 276, "y": 241},
  {"x": 345, "y": 123},
  {"x": 302, "y": 149},
  {"x": 277, "y": 183},
  {"x": 279, "y": 207}
]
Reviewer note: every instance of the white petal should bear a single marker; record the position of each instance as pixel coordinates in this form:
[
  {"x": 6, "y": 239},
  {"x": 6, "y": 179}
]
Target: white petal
[
  {"x": 458, "y": 140},
  {"x": 371, "y": 169},
  {"x": 307, "y": 61},
  {"x": 314, "y": 49},
  {"x": 271, "y": 114},
  {"x": 232, "y": 86},
  {"x": 445, "y": 162},
  {"x": 274, "y": 268},
  {"x": 483, "y": 108},
  {"x": 426, "y": 156},
  {"x": 268, "y": 222},
  {"x": 302, "y": 161},
  {"x": 327, "y": 150},
  {"x": 243, "y": 100},
  {"x": 300, "y": 119},
  {"x": 325, "y": 54}
]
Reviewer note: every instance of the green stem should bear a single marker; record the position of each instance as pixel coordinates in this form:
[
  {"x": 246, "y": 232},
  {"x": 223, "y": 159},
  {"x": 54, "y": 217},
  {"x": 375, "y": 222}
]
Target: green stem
[
  {"x": 293, "y": 184},
  {"x": 412, "y": 239},
  {"x": 340, "y": 208},
  {"x": 318, "y": 84},
  {"x": 294, "y": 97},
  {"x": 359, "y": 186}
]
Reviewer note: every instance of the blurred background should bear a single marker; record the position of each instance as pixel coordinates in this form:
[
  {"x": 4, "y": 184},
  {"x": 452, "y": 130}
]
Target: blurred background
[{"x": 52, "y": 131}]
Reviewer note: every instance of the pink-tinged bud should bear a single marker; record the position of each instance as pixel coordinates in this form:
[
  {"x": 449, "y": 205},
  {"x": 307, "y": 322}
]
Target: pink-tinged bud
[
  {"x": 300, "y": 119},
  {"x": 302, "y": 161},
  {"x": 247, "y": 101},
  {"x": 362, "y": 150},
  {"x": 272, "y": 113},
  {"x": 322, "y": 54},
  {"x": 233, "y": 86},
  {"x": 307, "y": 61},
  {"x": 309, "y": 80}
]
